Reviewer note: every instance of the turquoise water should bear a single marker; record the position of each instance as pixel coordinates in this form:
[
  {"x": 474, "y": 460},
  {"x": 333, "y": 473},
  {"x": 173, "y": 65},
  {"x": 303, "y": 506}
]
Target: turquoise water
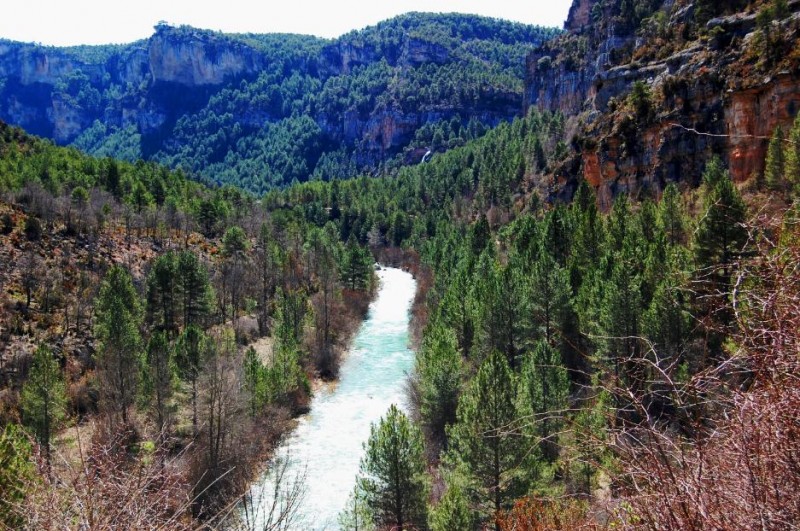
[{"x": 326, "y": 446}]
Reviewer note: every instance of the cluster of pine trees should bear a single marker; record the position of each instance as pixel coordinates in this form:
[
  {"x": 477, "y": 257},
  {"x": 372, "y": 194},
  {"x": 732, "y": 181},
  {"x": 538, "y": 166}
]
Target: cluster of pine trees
[
  {"x": 550, "y": 326},
  {"x": 532, "y": 328},
  {"x": 169, "y": 372}
]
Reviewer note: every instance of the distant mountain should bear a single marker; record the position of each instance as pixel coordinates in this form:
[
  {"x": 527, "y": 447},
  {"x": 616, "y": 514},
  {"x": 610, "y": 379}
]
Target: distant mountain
[{"x": 261, "y": 111}]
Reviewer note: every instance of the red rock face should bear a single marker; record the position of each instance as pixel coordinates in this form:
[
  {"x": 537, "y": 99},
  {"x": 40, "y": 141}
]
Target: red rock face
[
  {"x": 665, "y": 152},
  {"x": 579, "y": 15},
  {"x": 591, "y": 168},
  {"x": 751, "y": 117}
]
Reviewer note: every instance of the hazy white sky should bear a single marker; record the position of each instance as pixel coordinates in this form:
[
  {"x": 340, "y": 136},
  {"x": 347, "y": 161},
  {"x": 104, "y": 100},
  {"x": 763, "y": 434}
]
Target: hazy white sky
[{"x": 66, "y": 22}]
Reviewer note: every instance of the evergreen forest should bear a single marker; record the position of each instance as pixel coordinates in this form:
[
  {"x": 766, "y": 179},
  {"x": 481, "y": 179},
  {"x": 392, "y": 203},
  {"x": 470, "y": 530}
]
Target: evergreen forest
[{"x": 606, "y": 316}]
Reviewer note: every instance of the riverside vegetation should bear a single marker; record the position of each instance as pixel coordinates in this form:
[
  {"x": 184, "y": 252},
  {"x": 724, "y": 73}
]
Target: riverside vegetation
[{"x": 626, "y": 362}]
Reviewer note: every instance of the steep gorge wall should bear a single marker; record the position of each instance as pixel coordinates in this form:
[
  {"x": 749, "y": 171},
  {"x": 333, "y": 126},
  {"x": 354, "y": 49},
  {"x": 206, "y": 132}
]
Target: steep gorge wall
[
  {"x": 708, "y": 101},
  {"x": 149, "y": 85}
]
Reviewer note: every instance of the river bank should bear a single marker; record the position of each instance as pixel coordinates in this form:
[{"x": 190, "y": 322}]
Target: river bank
[{"x": 325, "y": 448}]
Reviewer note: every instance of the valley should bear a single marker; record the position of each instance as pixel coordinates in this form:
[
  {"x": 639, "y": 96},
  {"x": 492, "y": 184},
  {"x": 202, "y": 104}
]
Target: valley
[{"x": 585, "y": 314}]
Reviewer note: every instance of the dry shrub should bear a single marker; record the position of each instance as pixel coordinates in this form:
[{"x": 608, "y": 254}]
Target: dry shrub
[
  {"x": 9, "y": 406},
  {"x": 356, "y": 304},
  {"x": 741, "y": 468},
  {"x": 109, "y": 489},
  {"x": 218, "y": 486},
  {"x": 82, "y": 396},
  {"x": 533, "y": 514},
  {"x": 419, "y": 308}
]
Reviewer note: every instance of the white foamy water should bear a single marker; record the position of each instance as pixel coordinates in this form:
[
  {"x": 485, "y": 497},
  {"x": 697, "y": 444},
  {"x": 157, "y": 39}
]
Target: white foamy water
[{"x": 327, "y": 444}]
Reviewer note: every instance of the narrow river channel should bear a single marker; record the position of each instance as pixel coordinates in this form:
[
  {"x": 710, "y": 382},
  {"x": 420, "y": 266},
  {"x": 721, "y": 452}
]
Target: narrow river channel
[{"x": 326, "y": 445}]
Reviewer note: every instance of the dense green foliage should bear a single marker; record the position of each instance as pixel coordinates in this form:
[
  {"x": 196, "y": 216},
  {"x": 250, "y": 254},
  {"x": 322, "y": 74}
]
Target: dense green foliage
[
  {"x": 86, "y": 191},
  {"x": 16, "y": 470},
  {"x": 44, "y": 398},
  {"x": 311, "y": 108},
  {"x": 117, "y": 328},
  {"x": 392, "y": 474},
  {"x": 538, "y": 312}
]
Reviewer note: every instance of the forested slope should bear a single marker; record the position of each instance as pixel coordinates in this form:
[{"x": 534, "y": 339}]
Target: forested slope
[
  {"x": 156, "y": 337},
  {"x": 586, "y": 357},
  {"x": 260, "y": 111}
]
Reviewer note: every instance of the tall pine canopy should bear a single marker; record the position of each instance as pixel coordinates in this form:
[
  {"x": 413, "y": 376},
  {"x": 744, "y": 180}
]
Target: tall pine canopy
[
  {"x": 44, "y": 398},
  {"x": 393, "y": 473},
  {"x": 119, "y": 357},
  {"x": 485, "y": 441}
]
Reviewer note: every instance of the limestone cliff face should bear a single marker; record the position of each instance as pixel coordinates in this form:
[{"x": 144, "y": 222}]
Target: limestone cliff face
[
  {"x": 369, "y": 91},
  {"x": 49, "y": 91},
  {"x": 31, "y": 64},
  {"x": 195, "y": 58},
  {"x": 579, "y": 15},
  {"x": 709, "y": 96}
]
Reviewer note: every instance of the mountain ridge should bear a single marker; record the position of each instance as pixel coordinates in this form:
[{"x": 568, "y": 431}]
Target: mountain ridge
[{"x": 370, "y": 91}]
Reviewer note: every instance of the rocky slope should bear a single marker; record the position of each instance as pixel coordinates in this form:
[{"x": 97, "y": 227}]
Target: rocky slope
[
  {"x": 162, "y": 98},
  {"x": 656, "y": 92}
]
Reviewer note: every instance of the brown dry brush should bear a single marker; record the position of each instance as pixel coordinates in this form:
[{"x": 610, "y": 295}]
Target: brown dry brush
[
  {"x": 108, "y": 489},
  {"x": 737, "y": 465},
  {"x": 536, "y": 514}
]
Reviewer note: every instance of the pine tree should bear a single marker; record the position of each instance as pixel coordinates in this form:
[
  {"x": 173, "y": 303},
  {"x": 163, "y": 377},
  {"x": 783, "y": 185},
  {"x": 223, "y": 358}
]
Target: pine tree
[
  {"x": 619, "y": 223},
  {"x": 392, "y": 473},
  {"x": 322, "y": 259},
  {"x": 485, "y": 440},
  {"x": 544, "y": 388},
  {"x": 194, "y": 288},
  {"x": 721, "y": 234},
  {"x": 589, "y": 430},
  {"x": 667, "y": 321},
  {"x": 159, "y": 380},
  {"x": 775, "y": 170},
  {"x": 588, "y": 238},
  {"x": 191, "y": 349},
  {"x": 119, "y": 356},
  {"x": 557, "y": 234},
  {"x": 17, "y": 471},
  {"x": 356, "y": 515},
  {"x": 163, "y": 296},
  {"x": 648, "y": 221},
  {"x": 458, "y": 307},
  {"x": 254, "y": 382},
  {"x": 671, "y": 217},
  {"x": 439, "y": 369},
  {"x": 268, "y": 258},
  {"x": 720, "y": 240},
  {"x": 356, "y": 266},
  {"x": 550, "y": 300},
  {"x": 480, "y": 236},
  {"x": 621, "y": 315},
  {"x": 44, "y": 398},
  {"x": 452, "y": 511},
  {"x": 505, "y": 310},
  {"x": 284, "y": 375},
  {"x": 792, "y": 167}
]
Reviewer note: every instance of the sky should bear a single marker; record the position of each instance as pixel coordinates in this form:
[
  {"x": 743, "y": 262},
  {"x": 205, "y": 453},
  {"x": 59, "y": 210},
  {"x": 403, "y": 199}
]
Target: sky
[{"x": 70, "y": 22}]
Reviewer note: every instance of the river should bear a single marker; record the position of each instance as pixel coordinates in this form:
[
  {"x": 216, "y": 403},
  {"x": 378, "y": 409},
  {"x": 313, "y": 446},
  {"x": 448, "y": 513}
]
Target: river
[{"x": 326, "y": 446}]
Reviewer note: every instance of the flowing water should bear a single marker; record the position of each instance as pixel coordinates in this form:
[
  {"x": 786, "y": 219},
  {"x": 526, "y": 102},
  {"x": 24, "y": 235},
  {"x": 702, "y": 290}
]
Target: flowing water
[{"x": 326, "y": 445}]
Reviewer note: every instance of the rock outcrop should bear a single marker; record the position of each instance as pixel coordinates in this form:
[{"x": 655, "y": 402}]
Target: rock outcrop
[
  {"x": 180, "y": 80},
  {"x": 197, "y": 58},
  {"x": 711, "y": 93}
]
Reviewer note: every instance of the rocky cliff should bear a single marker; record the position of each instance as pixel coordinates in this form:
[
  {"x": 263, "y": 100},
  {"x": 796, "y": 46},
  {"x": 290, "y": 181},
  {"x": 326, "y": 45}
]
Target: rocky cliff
[
  {"x": 190, "y": 97},
  {"x": 705, "y": 87}
]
